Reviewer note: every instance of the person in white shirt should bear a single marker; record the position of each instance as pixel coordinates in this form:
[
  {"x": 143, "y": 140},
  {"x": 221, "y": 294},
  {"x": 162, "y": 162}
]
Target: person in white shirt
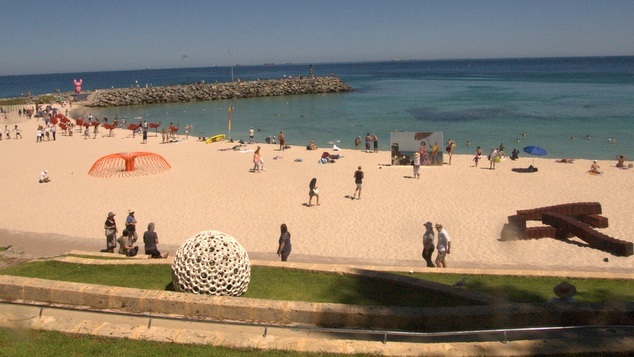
[{"x": 443, "y": 246}]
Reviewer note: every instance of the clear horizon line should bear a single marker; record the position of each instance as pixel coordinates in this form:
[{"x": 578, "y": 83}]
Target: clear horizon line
[{"x": 326, "y": 63}]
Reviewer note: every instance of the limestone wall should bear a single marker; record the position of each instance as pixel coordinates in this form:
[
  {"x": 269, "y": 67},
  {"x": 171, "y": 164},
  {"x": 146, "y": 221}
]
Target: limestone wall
[
  {"x": 227, "y": 308},
  {"x": 204, "y": 91}
]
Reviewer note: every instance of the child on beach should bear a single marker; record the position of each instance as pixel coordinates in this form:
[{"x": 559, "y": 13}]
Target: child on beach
[
  {"x": 416, "y": 165},
  {"x": 313, "y": 192},
  {"x": 478, "y": 155},
  {"x": 256, "y": 160}
]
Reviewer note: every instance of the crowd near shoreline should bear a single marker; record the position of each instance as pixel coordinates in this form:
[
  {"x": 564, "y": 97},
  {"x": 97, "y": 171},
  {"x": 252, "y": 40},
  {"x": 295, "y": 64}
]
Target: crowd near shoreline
[{"x": 212, "y": 186}]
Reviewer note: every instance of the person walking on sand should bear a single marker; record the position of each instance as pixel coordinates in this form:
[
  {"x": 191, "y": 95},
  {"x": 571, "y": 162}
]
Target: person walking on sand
[
  {"x": 150, "y": 240},
  {"x": 18, "y": 132},
  {"x": 130, "y": 225},
  {"x": 478, "y": 155},
  {"x": 450, "y": 145},
  {"x": 428, "y": 244},
  {"x": 110, "y": 229},
  {"x": 280, "y": 139},
  {"x": 251, "y": 137},
  {"x": 284, "y": 244},
  {"x": 492, "y": 155},
  {"x": 256, "y": 160},
  {"x": 358, "y": 180},
  {"x": 312, "y": 191},
  {"x": 416, "y": 165},
  {"x": 444, "y": 246}
]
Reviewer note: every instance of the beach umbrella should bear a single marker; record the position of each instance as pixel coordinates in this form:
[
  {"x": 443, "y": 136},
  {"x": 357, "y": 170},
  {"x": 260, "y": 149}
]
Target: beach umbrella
[{"x": 535, "y": 150}]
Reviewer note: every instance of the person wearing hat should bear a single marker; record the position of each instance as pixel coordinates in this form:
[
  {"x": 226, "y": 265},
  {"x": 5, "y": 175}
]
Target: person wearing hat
[
  {"x": 564, "y": 291},
  {"x": 130, "y": 225},
  {"x": 110, "y": 228},
  {"x": 444, "y": 246},
  {"x": 428, "y": 244},
  {"x": 416, "y": 167},
  {"x": 44, "y": 177}
]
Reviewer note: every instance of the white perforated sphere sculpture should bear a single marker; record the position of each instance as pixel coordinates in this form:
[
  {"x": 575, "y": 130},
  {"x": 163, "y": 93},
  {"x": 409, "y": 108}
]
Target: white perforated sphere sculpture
[{"x": 212, "y": 263}]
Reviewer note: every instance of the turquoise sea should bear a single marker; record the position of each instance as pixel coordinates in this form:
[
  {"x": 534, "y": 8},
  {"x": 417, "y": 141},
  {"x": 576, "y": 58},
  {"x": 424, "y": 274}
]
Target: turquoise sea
[{"x": 542, "y": 102}]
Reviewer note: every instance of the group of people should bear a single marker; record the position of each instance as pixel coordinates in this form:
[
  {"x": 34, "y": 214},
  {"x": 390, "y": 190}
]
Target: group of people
[
  {"x": 127, "y": 240},
  {"x": 443, "y": 245},
  {"x": 7, "y": 132},
  {"x": 370, "y": 142}
]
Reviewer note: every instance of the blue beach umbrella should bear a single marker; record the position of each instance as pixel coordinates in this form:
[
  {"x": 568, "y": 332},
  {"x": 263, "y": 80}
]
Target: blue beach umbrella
[{"x": 535, "y": 150}]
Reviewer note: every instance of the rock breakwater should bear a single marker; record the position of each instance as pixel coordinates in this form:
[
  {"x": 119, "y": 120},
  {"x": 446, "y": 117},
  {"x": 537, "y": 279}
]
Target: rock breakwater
[{"x": 203, "y": 91}]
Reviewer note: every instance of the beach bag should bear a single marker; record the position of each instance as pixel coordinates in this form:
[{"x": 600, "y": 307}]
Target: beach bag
[
  {"x": 496, "y": 159},
  {"x": 133, "y": 252}
]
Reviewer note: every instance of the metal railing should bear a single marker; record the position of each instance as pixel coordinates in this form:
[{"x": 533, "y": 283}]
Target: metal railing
[{"x": 383, "y": 334}]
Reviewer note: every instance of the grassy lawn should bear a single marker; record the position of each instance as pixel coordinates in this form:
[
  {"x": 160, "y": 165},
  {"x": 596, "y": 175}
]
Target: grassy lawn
[
  {"x": 533, "y": 289},
  {"x": 296, "y": 285},
  {"x": 266, "y": 283}
]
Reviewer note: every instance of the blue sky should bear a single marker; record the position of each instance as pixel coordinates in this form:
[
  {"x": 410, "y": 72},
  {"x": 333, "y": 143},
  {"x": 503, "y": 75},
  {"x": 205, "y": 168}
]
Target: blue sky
[{"x": 77, "y": 36}]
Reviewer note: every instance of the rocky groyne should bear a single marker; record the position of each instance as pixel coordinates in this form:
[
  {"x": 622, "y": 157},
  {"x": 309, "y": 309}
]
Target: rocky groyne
[{"x": 204, "y": 91}]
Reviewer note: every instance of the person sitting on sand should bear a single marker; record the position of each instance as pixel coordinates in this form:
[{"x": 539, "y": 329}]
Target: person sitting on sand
[
  {"x": 150, "y": 239},
  {"x": 515, "y": 154},
  {"x": 311, "y": 146},
  {"x": 44, "y": 177},
  {"x": 594, "y": 168},
  {"x": 620, "y": 161},
  {"x": 564, "y": 291},
  {"x": 566, "y": 160},
  {"x": 126, "y": 244},
  {"x": 312, "y": 191}
]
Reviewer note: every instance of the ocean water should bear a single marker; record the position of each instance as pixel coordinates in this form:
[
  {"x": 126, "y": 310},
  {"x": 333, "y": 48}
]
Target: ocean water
[{"x": 518, "y": 102}]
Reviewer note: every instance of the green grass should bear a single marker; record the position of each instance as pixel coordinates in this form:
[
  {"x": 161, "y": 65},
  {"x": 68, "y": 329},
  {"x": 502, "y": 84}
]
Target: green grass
[
  {"x": 533, "y": 289},
  {"x": 297, "y": 285},
  {"x": 48, "y": 343},
  {"x": 266, "y": 283}
]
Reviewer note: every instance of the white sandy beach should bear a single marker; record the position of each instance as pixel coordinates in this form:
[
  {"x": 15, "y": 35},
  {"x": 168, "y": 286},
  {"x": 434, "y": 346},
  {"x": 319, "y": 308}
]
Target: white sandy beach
[{"x": 208, "y": 188}]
